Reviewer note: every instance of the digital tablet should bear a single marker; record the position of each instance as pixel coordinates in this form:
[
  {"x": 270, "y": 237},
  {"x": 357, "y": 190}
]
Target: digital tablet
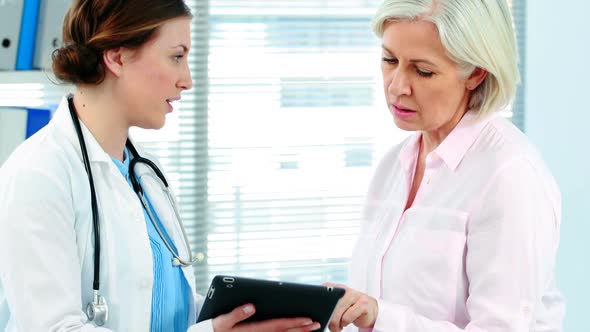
[{"x": 272, "y": 299}]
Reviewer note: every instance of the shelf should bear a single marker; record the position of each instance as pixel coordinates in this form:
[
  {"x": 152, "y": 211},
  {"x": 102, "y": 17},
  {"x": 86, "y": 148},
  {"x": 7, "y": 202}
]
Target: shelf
[
  {"x": 27, "y": 76},
  {"x": 31, "y": 89}
]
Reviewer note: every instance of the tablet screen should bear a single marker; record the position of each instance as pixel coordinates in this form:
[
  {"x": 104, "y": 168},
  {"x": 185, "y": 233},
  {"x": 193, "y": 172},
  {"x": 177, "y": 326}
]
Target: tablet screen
[{"x": 272, "y": 299}]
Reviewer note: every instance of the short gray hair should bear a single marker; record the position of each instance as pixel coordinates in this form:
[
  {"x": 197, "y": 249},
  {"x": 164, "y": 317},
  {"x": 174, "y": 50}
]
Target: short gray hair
[{"x": 475, "y": 33}]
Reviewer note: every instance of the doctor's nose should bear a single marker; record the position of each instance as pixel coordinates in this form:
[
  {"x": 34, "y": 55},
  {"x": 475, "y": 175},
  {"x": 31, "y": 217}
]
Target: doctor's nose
[{"x": 185, "y": 83}]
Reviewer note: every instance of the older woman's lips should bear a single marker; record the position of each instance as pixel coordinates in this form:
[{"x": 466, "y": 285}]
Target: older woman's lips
[{"x": 401, "y": 112}]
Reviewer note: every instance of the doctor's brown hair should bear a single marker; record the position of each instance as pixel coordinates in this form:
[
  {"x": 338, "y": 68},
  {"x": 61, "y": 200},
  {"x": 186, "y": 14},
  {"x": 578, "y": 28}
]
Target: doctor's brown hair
[{"x": 92, "y": 27}]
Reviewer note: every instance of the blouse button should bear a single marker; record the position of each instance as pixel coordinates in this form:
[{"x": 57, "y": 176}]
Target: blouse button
[{"x": 526, "y": 310}]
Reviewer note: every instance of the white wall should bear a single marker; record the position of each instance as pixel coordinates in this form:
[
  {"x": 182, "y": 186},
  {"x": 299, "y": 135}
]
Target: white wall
[{"x": 557, "y": 119}]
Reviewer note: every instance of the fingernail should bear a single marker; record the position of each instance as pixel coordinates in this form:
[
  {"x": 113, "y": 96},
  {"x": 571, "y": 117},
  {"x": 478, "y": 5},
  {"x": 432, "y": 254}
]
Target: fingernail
[
  {"x": 248, "y": 309},
  {"x": 307, "y": 322},
  {"x": 316, "y": 326}
]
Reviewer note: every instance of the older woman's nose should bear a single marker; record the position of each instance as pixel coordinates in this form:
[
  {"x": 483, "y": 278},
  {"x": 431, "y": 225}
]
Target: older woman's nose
[{"x": 399, "y": 84}]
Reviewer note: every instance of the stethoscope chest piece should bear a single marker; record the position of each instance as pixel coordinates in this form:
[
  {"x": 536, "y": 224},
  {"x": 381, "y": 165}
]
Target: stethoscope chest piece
[{"x": 98, "y": 310}]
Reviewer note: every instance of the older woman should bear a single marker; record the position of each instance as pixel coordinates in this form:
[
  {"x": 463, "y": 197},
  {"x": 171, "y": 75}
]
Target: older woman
[{"x": 461, "y": 225}]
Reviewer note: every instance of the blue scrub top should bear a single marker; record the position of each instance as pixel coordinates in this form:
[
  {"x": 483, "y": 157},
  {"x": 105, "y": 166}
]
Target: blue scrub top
[{"x": 170, "y": 292}]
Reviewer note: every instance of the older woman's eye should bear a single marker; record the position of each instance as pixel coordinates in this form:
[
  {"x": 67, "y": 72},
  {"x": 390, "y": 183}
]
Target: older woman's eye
[
  {"x": 389, "y": 60},
  {"x": 424, "y": 73}
]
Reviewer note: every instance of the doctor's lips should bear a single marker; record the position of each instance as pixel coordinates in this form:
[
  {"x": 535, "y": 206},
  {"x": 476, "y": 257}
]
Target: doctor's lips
[{"x": 170, "y": 101}]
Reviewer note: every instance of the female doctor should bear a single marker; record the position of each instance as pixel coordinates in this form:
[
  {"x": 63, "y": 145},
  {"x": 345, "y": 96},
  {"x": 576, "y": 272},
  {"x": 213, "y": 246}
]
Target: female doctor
[{"x": 91, "y": 239}]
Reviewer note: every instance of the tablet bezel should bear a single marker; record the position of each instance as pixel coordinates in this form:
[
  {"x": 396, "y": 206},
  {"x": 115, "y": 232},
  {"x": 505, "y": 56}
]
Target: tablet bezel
[{"x": 272, "y": 299}]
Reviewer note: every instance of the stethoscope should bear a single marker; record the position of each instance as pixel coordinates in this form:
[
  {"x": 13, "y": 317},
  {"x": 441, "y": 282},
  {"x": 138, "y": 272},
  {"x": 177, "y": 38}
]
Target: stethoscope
[{"x": 97, "y": 310}]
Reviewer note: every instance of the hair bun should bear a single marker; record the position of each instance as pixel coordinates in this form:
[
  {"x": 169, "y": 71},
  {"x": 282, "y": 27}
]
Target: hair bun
[{"x": 77, "y": 64}]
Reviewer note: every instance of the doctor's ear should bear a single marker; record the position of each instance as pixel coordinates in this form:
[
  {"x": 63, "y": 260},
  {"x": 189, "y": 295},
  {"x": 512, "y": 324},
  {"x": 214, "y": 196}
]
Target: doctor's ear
[{"x": 115, "y": 59}]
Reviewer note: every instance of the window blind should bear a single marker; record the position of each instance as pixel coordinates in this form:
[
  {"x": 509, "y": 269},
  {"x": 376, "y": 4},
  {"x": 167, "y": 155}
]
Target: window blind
[
  {"x": 519, "y": 15},
  {"x": 293, "y": 130},
  {"x": 271, "y": 151},
  {"x": 297, "y": 121}
]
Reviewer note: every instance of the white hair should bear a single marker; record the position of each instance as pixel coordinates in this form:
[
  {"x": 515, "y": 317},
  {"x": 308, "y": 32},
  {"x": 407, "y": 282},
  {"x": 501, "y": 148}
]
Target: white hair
[{"x": 475, "y": 33}]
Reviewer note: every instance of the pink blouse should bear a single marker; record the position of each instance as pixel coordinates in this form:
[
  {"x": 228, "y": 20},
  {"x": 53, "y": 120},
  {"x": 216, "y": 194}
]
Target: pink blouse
[{"x": 476, "y": 250}]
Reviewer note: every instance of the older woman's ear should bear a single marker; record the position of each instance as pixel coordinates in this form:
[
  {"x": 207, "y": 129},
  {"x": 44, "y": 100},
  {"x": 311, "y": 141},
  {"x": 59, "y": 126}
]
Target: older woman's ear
[{"x": 475, "y": 78}]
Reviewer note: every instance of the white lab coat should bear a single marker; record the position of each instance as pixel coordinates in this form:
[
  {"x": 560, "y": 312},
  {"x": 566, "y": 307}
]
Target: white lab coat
[{"x": 46, "y": 239}]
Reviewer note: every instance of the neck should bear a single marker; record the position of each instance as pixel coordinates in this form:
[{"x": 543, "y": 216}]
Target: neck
[
  {"x": 431, "y": 139},
  {"x": 104, "y": 118}
]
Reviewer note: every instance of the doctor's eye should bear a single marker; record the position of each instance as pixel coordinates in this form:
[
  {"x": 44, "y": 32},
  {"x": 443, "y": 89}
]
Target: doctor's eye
[{"x": 178, "y": 57}]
